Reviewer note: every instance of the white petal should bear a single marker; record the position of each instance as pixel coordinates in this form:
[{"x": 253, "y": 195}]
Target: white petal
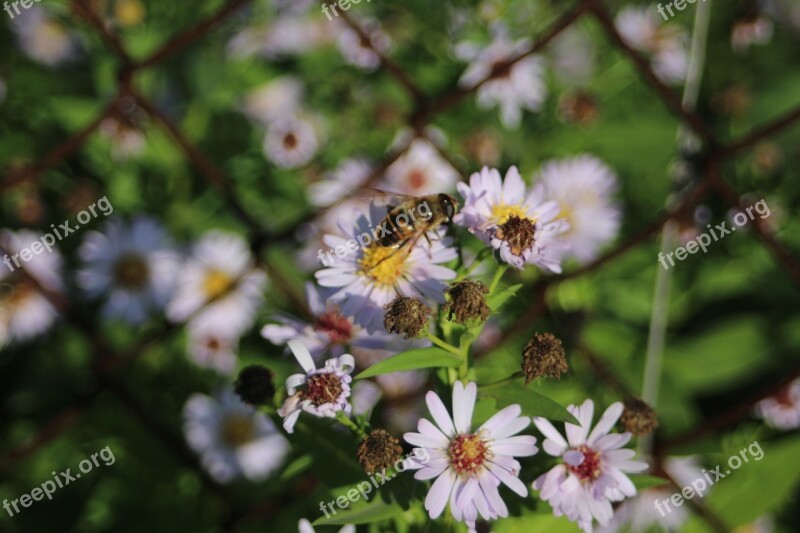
[
  {"x": 440, "y": 414},
  {"x": 439, "y": 493},
  {"x": 463, "y": 405},
  {"x": 502, "y": 418},
  {"x": 550, "y": 432},
  {"x": 519, "y": 446},
  {"x": 302, "y": 355},
  {"x": 606, "y": 422},
  {"x": 508, "y": 479}
]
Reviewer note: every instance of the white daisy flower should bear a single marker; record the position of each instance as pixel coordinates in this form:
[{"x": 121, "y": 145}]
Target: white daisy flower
[
  {"x": 782, "y": 411},
  {"x": 312, "y": 235},
  {"x": 279, "y": 98},
  {"x": 468, "y": 465},
  {"x": 573, "y": 57},
  {"x": 329, "y": 332},
  {"x": 320, "y": 392},
  {"x": 291, "y": 142},
  {"x": 369, "y": 278},
  {"x": 283, "y": 36},
  {"x": 641, "y": 27},
  {"x": 419, "y": 171},
  {"x": 512, "y": 87},
  {"x": 213, "y": 349},
  {"x": 220, "y": 288},
  {"x": 359, "y": 51},
  {"x": 232, "y": 438},
  {"x": 753, "y": 30},
  {"x": 349, "y": 175},
  {"x": 304, "y": 526},
  {"x": 25, "y": 311},
  {"x": 43, "y": 38},
  {"x": 582, "y": 187},
  {"x": 521, "y": 225},
  {"x": 593, "y": 472},
  {"x": 132, "y": 263}
]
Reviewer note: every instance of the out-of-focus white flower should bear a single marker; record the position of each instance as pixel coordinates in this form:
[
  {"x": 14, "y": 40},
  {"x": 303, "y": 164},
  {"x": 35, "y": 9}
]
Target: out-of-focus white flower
[
  {"x": 666, "y": 44},
  {"x": 43, "y": 38},
  {"x": 348, "y": 176},
  {"x": 284, "y": 36},
  {"x": 26, "y": 311},
  {"x": 573, "y": 57},
  {"x": 133, "y": 264},
  {"x": 219, "y": 287},
  {"x": 274, "y": 100},
  {"x": 583, "y": 186},
  {"x": 469, "y": 466},
  {"x": 291, "y": 142},
  {"x": 213, "y": 349},
  {"x": 751, "y": 31},
  {"x": 419, "y": 171},
  {"x": 322, "y": 392},
  {"x": 304, "y": 526},
  {"x": 368, "y": 278},
  {"x": 592, "y": 474},
  {"x": 329, "y": 332},
  {"x": 126, "y": 139},
  {"x": 363, "y": 52},
  {"x": 512, "y": 87},
  {"x": 782, "y": 411},
  {"x": 232, "y": 439},
  {"x": 521, "y": 225}
]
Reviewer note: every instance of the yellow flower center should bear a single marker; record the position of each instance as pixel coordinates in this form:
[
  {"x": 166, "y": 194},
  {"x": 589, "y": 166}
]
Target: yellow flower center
[
  {"x": 237, "y": 430},
  {"x": 502, "y": 212},
  {"x": 129, "y": 12},
  {"x": 216, "y": 284},
  {"x": 468, "y": 453},
  {"x": 382, "y": 264}
]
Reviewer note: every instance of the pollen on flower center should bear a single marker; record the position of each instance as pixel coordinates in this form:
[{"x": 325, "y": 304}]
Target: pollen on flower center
[
  {"x": 519, "y": 233},
  {"x": 589, "y": 469},
  {"x": 237, "y": 430},
  {"x": 337, "y": 327},
  {"x": 467, "y": 453},
  {"x": 131, "y": 271},
  {"x": 216, "y": 283},
  {"x": 323, "y": 388},
  {"x": 502, "y": 212},
  {"x": 382, "y": 264}
]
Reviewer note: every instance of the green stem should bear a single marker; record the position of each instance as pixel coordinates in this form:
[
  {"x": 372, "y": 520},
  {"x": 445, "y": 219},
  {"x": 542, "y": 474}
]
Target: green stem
[
  {"x": 345, "y": 421},
  {"x": 498, "y": 274},
  {"x": 443, "y": 345}
]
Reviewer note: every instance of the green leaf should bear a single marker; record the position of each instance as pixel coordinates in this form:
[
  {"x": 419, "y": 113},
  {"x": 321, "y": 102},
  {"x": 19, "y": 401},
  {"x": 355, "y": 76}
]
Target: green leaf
[
  {"x": 360, "y": 513},
  {"x": 495, "y": 301},
  {"x": 644, "y": 481},
  {"x": 532, "y": 403},
  {"x": 432, "y": 357}
]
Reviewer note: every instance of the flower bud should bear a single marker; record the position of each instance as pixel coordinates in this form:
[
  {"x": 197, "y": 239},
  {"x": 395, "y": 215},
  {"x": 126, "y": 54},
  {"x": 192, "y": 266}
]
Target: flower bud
[
  {"x": 543, "y": 355},
  {"x": 254, "y": 385},
  {"x": 638, "y": 417},
  {"x": 467, "y": 301},
  {"x": 406, "y": 316},
  {"x": 378, "y": 450}
]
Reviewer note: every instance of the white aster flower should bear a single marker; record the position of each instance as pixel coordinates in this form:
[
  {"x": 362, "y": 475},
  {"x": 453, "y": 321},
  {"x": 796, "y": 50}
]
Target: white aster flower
[
  {"x": 522, "y": 226},
  {"x": 25, "y": 310},
  {"x": 573, "y": 57},
  {"x": 284, "y": 36},
  {"x": 363, "y": 52},
  {"x": 212, "y": 349},
  {"x": 43, "y": 38},
  {"x": 328, "y": 332},
  {"x": 468, "y": 465},
  {"x": 349, "y": 175},
  {"x": 593, "y": 472},
  {"x": 322, "y": 392},
  {"x": 782, "y": 411},
  {"x": 666, "y": 45},
  {"x": 232, "y": 438},
  {"x": 220, "y": 288},
  {"x": 132, "y": 263},
  {"x": 304, "y": 526},
  {"x": 274, "y": 100},
  {"x": 582, "y": 187},
  {"x": 512, "y": 87},
  {"x": 126, "y": 139},
  {"x": 419, "y": 171},
  {"x": 291, "y": 142},
  {"x": 753, "y": 30},
  {"x": 369, "y": 278}
]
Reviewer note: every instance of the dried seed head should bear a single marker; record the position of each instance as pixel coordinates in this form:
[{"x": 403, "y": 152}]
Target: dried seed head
[
  {"x": 519, "y": 233},
  {"x": 406, "y": 316},
  {"x": 638, "y": 417},
  {"x": 467, "y": 301},
  {"x": 543, "y": 356},
  {"x": 254, "y": 385},
  {"x": 378, "y": 450}
]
